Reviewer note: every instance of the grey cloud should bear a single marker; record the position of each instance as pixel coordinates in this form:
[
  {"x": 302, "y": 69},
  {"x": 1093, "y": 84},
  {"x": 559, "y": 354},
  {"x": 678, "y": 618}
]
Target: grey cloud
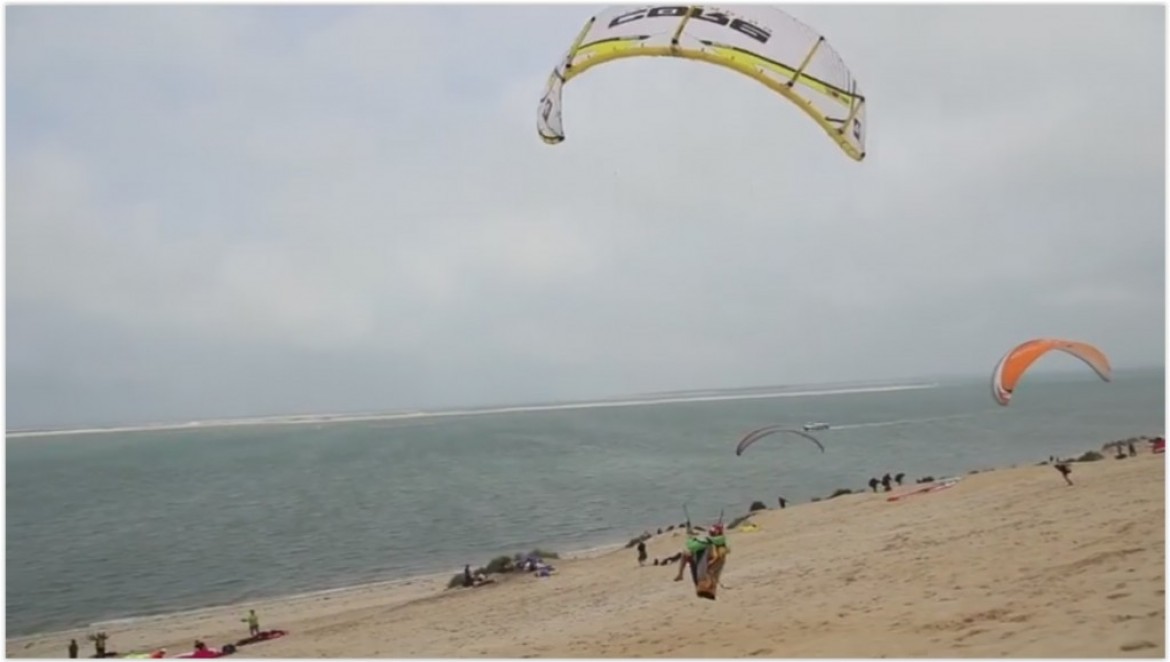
[{"x": 358, "y": 199}]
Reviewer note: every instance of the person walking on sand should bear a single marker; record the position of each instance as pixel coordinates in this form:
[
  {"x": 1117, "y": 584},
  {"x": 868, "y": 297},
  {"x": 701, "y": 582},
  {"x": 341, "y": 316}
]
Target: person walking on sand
[
  {"x": 641, "y": 552},
  {"x": 1064, "y": 470},
  {"x": 72, "y": 648},
  {"x": 253, "y": 622}
]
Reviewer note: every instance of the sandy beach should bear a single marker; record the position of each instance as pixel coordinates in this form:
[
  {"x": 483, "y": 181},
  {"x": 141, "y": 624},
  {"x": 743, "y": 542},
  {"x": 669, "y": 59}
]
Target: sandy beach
[{"x": 1010, "y": 562}]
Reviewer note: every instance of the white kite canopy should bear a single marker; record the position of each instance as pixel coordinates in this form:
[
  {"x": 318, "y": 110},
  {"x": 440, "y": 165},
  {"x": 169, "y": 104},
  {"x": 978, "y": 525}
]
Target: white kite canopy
[{"x": 761, "y": 42}]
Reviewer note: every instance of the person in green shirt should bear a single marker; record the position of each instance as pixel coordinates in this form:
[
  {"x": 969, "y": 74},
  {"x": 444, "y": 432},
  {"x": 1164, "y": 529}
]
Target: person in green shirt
[
  {"x": 695, "y": 545},
  {"x": 253, "y": 622}
]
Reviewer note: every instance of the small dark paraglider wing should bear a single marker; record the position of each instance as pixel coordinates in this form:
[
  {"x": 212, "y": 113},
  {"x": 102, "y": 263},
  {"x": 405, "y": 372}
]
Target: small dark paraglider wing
[{"x": 755, "y": 435}]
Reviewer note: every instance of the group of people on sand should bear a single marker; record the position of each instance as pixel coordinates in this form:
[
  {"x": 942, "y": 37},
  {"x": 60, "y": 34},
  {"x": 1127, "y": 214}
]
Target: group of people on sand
[
  {"x": 886, "y": 481},
  {"x": 200, "y": 649},
  {"x": 473, "y": 579}
]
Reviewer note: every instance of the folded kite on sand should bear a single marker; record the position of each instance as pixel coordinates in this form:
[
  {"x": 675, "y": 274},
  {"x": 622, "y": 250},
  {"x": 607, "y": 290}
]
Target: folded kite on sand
[
  {"x": 262, "y": 636},
  {"x": 934, "y": 487}
]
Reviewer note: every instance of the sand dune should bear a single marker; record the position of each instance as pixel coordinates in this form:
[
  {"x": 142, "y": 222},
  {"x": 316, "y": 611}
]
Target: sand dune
[{"x": 1006, "y": 563}]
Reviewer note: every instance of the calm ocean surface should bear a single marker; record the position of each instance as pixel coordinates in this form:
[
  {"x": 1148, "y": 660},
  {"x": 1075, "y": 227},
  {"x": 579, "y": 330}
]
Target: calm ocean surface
[{"x": 124, "y": 524}]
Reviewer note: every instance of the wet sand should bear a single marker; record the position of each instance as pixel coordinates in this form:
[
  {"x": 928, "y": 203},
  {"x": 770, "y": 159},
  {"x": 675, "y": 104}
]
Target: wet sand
[{"x": 1005, "y": 563}]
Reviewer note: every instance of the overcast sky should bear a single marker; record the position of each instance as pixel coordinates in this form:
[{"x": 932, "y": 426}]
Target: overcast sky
[{"x": 221, "y": 211}]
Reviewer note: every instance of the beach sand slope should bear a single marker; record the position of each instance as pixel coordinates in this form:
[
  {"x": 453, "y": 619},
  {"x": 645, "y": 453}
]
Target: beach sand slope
[{"x": 1005, "y": 563}]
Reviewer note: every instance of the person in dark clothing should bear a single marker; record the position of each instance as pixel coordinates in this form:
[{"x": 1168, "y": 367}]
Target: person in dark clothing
[
  {"x": 641, "y": 552},
  {"x": 72, "y": 648},
  {"x": 468, "y": 580},
  {"x": 898, "y": 477},
  {"x": 1064, "y": 470},
  {"x": 886, "y": 481},
  {"x": 99, "y": 644},
  {"x": 1132, "y": 449},
  {"x": 873, "y": 483},
  {"x": 783, "y": 502}
]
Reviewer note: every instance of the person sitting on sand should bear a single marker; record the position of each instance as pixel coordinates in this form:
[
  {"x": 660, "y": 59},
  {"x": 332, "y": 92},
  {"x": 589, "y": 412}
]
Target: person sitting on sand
[{"x": 1064, "y": 470}]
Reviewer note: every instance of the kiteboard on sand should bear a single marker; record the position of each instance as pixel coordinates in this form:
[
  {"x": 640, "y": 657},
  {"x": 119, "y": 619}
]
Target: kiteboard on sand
[{"x": 935, "y": 487}]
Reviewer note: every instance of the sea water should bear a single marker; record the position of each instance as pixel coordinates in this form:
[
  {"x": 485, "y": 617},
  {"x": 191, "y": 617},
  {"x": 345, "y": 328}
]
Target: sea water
[{"x": 117, "y": 525}]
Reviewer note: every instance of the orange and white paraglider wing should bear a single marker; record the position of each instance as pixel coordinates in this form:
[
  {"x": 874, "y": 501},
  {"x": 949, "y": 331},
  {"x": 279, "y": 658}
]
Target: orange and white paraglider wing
[{"x": 1014, "y": 364}]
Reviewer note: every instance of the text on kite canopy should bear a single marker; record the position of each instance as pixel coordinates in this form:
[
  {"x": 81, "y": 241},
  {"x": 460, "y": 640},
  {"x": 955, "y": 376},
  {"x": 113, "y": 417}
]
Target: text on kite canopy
[{"x": 749, "y": 30}]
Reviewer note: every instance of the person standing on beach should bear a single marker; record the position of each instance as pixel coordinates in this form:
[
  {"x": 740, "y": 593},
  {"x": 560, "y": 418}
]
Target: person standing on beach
[
  {"x": 99, "y": 643},
  {"x": 783, "y": 503},
  {"x": 641, "y": 552},
  {"x": 873, "y": 483},
  {"x": 253, "y": 622},
  {"x": 886, "y": 480},
  {"x": 72, "y": 648},
  {"x": 898, "y": 478}
]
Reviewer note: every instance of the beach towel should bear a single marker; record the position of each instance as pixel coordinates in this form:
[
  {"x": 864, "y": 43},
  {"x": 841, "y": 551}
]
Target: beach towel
[
  {"x": 262, "y": 636},
  {"x": 706, "y": 568},
  {"x": 204, "y": 653}
]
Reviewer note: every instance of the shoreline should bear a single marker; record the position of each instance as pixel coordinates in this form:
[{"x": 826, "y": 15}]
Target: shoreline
[
  {"x": 434, "y": 584},
  {"x": 429, "y": 578}
]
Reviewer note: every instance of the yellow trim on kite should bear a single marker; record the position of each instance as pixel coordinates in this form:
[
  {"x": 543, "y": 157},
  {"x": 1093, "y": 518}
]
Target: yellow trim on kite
[{"x": 606, "y": 51}]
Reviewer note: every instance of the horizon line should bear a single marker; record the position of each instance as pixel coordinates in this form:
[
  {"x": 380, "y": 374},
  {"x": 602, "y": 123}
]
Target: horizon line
[
  {"x": 679, "y": 396},
  {"x": 645, "y": 400}
]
